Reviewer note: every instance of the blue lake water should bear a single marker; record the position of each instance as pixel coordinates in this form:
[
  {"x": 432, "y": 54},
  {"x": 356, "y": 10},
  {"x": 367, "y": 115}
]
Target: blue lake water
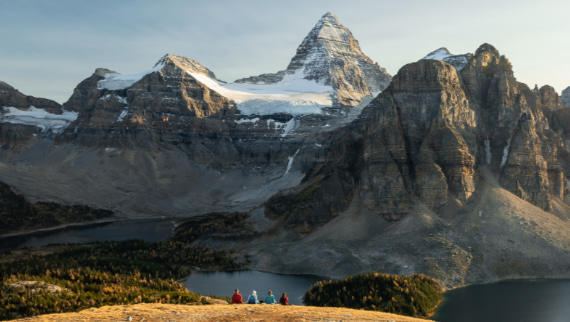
[
  {"x": 151, "y": 230},
  {"x": 224, "y": 283},
  {"x": 542, "y": 300}
]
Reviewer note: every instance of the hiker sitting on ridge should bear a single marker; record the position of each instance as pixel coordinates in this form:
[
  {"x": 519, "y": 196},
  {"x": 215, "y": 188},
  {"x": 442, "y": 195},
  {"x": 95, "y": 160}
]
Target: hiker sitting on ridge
[
  {"x": 284, "y": 300},
  {"x": 237, "y": 299},
  {"x": 269, "y": 298},
  {"x": 252, "y": 299}
]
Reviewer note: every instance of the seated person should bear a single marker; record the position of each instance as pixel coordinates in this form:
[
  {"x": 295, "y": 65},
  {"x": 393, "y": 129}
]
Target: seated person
[
  {"x": 252, "y": 299},
  {"x": 237, "y": 299},
  {"x": 269, "y": 298},
  {"x": 284, "y": 300}
]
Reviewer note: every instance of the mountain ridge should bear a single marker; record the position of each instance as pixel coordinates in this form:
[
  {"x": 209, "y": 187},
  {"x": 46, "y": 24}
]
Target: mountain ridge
[{"x": 456, "y": 171}]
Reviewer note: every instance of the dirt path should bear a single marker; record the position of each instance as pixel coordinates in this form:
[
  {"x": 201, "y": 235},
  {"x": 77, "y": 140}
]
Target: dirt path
[{"x": 170, "y": 312}]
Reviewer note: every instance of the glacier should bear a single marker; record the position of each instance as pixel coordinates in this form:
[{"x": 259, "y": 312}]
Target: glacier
[
  {"x": 117, "y": 81},
  {"x": 39, "y": 117},
  {"x": 293, "y": 95}
]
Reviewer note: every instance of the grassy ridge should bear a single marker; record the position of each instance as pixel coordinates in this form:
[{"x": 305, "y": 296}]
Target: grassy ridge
[{"x": 415, "y": 295}]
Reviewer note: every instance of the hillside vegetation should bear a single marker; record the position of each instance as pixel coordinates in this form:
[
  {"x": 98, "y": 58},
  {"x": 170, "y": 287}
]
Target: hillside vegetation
[
  {"x": 84, "y": 288},
  {"x": 112, "y": 273},
  {"x": 415, "y": 295},
  {"x": 17, "y": 213}
]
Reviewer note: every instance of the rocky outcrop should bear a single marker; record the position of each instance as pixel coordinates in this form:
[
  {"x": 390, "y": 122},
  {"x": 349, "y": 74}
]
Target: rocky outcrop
[
  {"x": 331, "y": 56},
  {"x": 18, "y": 111},
  {"x": 566, "y": 97},
  {"x": 458, "y": 174},
  {"x": 424, "y": 138},
  {"x": 143, "y": 137},
  {"x": 9, "y": 96},
  {"x": 162, "y": 107}
]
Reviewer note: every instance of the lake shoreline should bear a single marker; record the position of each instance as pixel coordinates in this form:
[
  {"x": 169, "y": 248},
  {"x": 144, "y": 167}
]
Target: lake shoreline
[{"x": 86, "y": 223}]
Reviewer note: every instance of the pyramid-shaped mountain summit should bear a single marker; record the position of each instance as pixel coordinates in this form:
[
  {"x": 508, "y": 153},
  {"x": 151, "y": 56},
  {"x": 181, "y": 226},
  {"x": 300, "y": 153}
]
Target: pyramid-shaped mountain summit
[{"x": 331, "y": 56}]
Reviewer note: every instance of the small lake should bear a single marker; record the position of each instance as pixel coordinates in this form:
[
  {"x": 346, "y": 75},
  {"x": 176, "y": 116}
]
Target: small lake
[
  {"x": 151, "y": 230},
  {"x": 544, "y": 300},
  {"x": 510, "y": 301},
  {"x": 224, "y": 283}
]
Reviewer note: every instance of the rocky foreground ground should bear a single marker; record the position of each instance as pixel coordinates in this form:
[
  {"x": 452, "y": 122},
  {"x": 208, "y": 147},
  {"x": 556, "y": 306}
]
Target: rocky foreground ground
[{"x": 171, "y": 312}]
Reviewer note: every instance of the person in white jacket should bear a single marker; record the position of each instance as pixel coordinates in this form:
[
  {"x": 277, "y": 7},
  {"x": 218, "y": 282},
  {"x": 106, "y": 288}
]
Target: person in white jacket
[{"x": 252, "y": 298}]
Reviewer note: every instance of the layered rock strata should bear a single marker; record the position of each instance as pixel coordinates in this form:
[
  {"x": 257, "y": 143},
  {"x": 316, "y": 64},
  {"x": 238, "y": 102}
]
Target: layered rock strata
[
  {"x": 13, "y": 129},
  {"x": 566, "y": 97},
  {"x": 9, "y": 96},
  {"x": 424, "y": 138}
]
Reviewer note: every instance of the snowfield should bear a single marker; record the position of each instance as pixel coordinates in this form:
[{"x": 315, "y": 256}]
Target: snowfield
[
  {"x": 118, "y": 81},
  {"x": 442, "y": 54},
  {"x": 439, "y": 54},
  {"x": 40, "y": 118},
  {"x": 293, "y": 95}
]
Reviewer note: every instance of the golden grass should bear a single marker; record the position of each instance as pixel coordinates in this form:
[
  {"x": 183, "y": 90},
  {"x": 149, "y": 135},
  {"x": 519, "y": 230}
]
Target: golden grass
[{"x": 222, "y": 313}]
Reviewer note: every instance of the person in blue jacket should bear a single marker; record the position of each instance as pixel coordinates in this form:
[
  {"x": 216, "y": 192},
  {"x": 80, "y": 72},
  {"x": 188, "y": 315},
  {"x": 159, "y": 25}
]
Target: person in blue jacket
[
  {"x": 252, "y": 299},
  {"x": 269, "y": 298}
]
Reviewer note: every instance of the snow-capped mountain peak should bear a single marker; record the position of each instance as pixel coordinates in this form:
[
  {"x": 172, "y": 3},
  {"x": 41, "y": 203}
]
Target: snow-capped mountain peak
[
  {"x": 438, "y": 54},
  {"x": 328, "y": 28},
  {"x": 330, "y": 56},
  {"x": 442, "y": 54}
]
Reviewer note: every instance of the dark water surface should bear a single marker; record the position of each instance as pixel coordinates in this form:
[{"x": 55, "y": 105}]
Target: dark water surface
[
  {"x": 224, "y": 283},
  {"x": 151, "y": 230},
  {"x": 544, "y": 300}
]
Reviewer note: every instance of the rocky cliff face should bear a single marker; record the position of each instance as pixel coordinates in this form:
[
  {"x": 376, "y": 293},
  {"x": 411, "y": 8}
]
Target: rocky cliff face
[
  {"x": 453, "y": 159},
  {"x": 331, "y": 56},
  {"x": 566, "y": 97},
  {"x": 425, "y": 137},
  {"x": 9, "y": 96},
  {"x": 20, "y": 111},
  {"x": 161, "y": 106},
  {"x": 458, "y": 174},
  {"x": 176, "y": 140}
]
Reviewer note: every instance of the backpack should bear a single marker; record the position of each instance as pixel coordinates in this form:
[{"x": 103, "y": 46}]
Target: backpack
[{"x": 251, "y": 300}]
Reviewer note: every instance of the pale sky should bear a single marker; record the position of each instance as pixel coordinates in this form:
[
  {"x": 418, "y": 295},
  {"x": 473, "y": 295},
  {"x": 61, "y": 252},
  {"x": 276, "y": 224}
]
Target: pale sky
[{"x": 49, "y": 46}]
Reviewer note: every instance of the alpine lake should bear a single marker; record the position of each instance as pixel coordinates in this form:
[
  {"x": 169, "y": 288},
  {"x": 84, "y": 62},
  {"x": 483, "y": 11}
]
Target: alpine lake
[{"x": 526, "y": 300}]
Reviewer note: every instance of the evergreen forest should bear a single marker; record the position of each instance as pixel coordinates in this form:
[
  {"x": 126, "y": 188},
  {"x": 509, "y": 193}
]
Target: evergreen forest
[
  {"x": 416, "y": 295},
  {"x": 114, "y": 273}
]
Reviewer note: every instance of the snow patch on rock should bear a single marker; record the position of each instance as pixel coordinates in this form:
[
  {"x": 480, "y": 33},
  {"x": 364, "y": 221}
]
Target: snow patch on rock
[
  {"x": 120, "y": 99},
  {"x": 57, "y": 123},
  {"x": 255, "y": 120},
  {"x": 117, "y": 81},
  {"x": 293, "y": 95},
  {"x": 290, "y": 163},
  {"x": 122, "y": 116},
  {"x": 442, "y": 54},
  {"x": 438, "y": 54},
  {"x": 506, "y": 153}
]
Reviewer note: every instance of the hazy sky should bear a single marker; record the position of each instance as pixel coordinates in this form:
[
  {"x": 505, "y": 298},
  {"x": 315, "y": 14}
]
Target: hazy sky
[{"x": 49, "y": 46}]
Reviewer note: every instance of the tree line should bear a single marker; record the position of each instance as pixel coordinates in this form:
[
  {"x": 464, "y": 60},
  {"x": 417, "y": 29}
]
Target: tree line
[
  {"x": 125, "y": 272},
  {"x": 416, "y": 295}
]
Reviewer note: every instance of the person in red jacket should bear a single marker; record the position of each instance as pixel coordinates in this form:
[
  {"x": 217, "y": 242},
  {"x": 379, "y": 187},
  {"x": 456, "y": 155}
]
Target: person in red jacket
[
  {"x": 284, "y": 300},
  {"x": 236, "y": 299}
]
